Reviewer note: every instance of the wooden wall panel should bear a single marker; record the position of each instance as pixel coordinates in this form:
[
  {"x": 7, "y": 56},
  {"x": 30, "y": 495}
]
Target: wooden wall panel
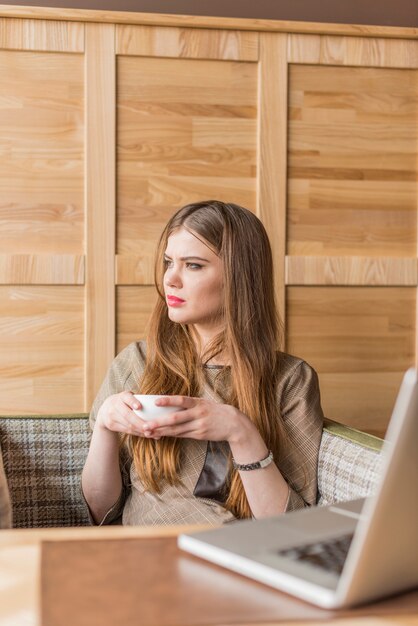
[
  {"x": 41, "y": 156},
  {"x": 107, "y": 129},
  {"x": 42, "y": 344},
  {"x": 134, "y": 306},
  {"x": 352, "y": 161},
  {"x": 354, "y": 51},
  {"x": 272, "y": 151},
  {"x": 154, "y": 41},
  {"x": 351, "y": 270},
  {"x": 352, "y": 220},
  {"x": 41, "y": 217},
  {"x": 46, "y": 35},
  {"x": 41, "y": 269},
  {"x": 187, "y": 131},
  {"x": 361, "y": 340},
  {"x": 100, "y": 205}
]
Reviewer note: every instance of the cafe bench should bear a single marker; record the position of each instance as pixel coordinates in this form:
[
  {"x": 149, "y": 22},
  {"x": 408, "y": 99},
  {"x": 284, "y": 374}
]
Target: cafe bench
[{"x": 44, "y": 456}]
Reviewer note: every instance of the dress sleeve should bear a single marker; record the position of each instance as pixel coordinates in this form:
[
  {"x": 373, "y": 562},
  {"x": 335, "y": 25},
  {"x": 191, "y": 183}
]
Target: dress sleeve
[
  {"x": 5, "y": 502},
  {"x": 303, "y": 419},
  {"x": 123, "y": 375},
  {"x": 119, "y": 377}
]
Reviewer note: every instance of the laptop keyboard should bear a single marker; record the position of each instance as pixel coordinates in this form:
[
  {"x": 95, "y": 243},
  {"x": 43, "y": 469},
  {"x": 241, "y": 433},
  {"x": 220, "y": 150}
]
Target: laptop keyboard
[{"x": 329, "y": 555}]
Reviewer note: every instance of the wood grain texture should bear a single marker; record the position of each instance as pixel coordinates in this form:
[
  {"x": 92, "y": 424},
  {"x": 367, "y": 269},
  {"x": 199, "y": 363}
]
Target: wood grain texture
[
  {"x": 197, "y": 593},
  {"x": 272, "y": 151},
  {"x": 353, "y": 334},
  {"x": 134, "y": 270},
  {"x": 354, "y": 270},
  {"x": 362, "y": 400},
  {"x": 198, "y": 117},
  {"x": 134, "y": 307},
  {"x": 41, "y": 269},
  {"x": 186, "y": 43},
  {"x": 354, "y": 51},
  {"x": 187, "y": 131},
  {"x": 42, "y": 343},
  {"x": 41, "y": 153},
  {"x": 100, "y": 205},
  {"x": 197, "y": 21},
  {"x": 352, "y": 161},
  {"x": 41, "y": 35}
]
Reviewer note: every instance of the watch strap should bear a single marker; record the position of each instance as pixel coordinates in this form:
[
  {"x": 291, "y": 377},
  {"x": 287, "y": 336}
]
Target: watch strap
[{"x": 248, "y": 467}]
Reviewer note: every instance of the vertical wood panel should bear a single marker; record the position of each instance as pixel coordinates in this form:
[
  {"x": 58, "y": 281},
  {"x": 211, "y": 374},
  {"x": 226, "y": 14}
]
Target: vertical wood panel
[
  {"x": 100, "y": 204},
  {"x": 352, "y": 219},
  {"x": 41, "y": 217},
  {"x": 134, "y": 306},
  {"x": 272, "y": 151}
]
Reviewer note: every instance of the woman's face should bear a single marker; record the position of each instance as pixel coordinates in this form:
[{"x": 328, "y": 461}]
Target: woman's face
[{"x": 193, "y": 282}]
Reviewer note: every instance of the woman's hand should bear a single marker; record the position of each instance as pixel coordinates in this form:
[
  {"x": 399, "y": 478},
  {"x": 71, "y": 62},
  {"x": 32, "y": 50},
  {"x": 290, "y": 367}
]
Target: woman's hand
[
  {"x": 116, "y": 414},
  {"x": 199, "y": 418}
]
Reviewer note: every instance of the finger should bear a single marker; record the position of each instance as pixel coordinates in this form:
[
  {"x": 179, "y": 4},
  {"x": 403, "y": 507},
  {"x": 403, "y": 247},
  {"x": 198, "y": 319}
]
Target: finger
[
  {"x": 178, "y": 417},
  {"x": 130, "y": 420},
  {"x": 130, "y": 400},
  {"x": 151, "y": 434},
  {"x": 185, "y": 402},
  {"x": 181, "y": 430},
  {"x": 122, "y": 426}
]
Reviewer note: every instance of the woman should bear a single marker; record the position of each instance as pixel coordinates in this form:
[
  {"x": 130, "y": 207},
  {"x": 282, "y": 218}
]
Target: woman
[{"x": 244, "y": 434}]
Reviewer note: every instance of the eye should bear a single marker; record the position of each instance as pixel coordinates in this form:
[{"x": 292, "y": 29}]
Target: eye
[
  {"x": 168, "y": 263},
  {"x": 194, "y": 266}
]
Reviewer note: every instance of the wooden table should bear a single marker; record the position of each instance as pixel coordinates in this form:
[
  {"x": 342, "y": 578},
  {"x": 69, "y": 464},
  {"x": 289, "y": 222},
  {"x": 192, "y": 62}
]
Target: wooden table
[{"x": 20, "y": 576}]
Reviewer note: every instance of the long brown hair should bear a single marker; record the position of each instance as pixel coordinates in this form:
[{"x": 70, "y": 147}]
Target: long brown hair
[{"x": 250, "y": 339}]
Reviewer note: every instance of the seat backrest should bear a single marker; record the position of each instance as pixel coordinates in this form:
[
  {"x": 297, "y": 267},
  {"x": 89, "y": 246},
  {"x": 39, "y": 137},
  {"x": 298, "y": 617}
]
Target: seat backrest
[
  {"x": 43, "y": 459},
  {"x": 349, "y": 463},
  {"x": 44, "y": 456}
]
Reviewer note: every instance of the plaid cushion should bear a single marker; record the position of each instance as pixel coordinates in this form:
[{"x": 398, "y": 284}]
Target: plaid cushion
[
  {"x": 43, "y": 459},
  {"x": 347, "y": 469}
]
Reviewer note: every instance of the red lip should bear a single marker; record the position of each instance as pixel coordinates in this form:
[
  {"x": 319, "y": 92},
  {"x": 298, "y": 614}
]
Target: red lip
[{"x": 174, "y": 301}]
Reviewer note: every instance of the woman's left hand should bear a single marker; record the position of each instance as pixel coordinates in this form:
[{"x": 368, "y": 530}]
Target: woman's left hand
[{"x": 199, "y": 418}]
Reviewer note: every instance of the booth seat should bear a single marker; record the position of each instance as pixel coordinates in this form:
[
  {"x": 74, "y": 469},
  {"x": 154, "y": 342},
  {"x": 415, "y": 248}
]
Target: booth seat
[{"x": 43, "y": 458}]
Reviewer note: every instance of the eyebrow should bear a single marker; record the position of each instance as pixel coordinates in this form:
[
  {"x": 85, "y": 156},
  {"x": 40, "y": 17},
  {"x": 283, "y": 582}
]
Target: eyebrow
[{"x": 187, "y": 258}]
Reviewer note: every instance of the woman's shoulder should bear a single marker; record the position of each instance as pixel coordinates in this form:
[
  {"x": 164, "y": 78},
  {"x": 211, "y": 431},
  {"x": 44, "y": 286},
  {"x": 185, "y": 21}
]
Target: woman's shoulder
[
  {"x": 134, "y": 350},
  {"x": 131, "y": 359},
  {"x": 290, "y": 362},
  {"x": 293, "y": 368}
]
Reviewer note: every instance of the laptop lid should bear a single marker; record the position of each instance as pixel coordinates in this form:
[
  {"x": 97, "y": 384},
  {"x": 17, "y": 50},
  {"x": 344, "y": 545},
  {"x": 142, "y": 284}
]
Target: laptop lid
[{"x": 383, "y": 556}]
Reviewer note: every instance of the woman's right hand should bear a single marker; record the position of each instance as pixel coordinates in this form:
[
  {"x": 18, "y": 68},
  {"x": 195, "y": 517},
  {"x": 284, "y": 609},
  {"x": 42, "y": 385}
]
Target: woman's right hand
[{"x": 116, "y": 414}]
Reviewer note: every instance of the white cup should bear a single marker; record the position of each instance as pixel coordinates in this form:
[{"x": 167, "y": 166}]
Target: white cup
[{"x": 149, "y": 409}]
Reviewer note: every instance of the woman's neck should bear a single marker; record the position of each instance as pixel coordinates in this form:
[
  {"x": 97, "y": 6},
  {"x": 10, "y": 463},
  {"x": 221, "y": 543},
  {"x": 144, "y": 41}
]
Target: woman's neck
[{"x": 203, "y": 338}]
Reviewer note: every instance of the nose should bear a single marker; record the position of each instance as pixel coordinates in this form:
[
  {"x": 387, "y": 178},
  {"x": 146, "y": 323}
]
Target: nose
[{"x": 172, "y": 277}]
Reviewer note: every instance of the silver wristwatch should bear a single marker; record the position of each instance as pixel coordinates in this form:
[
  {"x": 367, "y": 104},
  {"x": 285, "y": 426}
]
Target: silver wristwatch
[{"x": 247, "y": 467}]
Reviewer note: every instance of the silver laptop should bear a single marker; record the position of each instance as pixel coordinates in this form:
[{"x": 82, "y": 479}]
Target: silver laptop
[{"x": 339, "y": 555}]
